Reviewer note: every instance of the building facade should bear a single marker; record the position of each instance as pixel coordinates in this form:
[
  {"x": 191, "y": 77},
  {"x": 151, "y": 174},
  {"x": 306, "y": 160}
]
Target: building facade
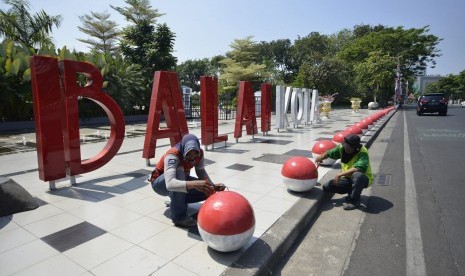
[{"x": 421, "y": 82}]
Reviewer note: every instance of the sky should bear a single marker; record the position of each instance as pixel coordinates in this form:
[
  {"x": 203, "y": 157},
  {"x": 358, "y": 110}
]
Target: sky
[{"x": 205, "y": 28}]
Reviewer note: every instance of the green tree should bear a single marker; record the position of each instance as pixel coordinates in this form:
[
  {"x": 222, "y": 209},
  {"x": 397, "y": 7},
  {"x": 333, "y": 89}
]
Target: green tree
[
  {"x": 452, "y": 85},
  {"x": 190, "y": 71},
  {"x": 239, "y": 65},
  {"x": 375, "y": 74},
  {"x": 103, "y": 32},
  {"x": 164, "y": 47},
  {"x": 216, "y": 66},
  {"x": 276, "y": 55},
  {"x": 32, "y": 30},
  {"x": 329, "y": 76},
  {"x": 411, "y": 50},
  {"x": 144, "y": 45},
  {"x": 311, "y": 49},
  {"x": 138, "y": 11},
  {"x": 15, "y": 85}
]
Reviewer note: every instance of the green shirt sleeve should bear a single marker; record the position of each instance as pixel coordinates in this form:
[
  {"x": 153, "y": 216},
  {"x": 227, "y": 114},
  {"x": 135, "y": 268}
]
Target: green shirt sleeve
[
  {"x": 335, "y": 153},
  {"x": 362, "y": 162}
]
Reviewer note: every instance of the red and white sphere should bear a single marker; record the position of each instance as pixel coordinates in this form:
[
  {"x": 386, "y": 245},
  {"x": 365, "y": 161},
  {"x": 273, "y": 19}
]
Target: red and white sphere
[
  {"x": 321, "y": 147},
  {"x": 299, "y": 174},
  {"x": 226, "y": 221},
  {"x": 339, "y": 137},
  {"x": 354, "y": 129}
]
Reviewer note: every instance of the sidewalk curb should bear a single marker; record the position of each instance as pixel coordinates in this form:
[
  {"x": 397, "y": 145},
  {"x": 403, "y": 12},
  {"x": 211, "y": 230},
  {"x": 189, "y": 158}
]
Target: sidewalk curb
[{"x": 261, "y": 257}]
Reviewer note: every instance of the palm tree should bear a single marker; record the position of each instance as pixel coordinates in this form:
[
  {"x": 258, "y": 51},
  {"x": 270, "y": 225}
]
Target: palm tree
[{"x": 31, "y": 30}]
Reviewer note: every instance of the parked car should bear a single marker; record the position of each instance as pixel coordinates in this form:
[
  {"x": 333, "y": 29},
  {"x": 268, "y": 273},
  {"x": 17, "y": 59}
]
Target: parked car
[{"x": 432, "y": 103}]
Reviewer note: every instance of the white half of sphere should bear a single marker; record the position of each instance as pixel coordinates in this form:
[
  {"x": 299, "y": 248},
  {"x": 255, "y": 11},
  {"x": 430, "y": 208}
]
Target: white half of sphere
[
  {"x": 299, "y": 185},
  {"x": 226, "y": 243}
]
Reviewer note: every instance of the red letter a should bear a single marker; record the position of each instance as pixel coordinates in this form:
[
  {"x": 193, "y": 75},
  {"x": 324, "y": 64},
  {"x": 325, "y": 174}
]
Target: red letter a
[
  {"x": 166, "y": 98},
  {"x": 245, "y": 110}
]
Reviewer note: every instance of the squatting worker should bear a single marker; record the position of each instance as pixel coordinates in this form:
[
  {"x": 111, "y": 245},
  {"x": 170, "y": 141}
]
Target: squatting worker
[
  {"x": 171, "y": 177},
  {"x": 355, "y": 172}
]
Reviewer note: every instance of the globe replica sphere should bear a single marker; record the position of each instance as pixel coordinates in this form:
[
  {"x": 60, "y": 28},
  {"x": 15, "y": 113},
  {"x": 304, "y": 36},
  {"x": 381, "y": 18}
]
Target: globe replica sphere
[
  {"x": 299, "y": 174},
  {"x": 339, "y": 137},
  {"x": 226, "y": 221},
  {"x": 354, "y": 129},
  {"x": 321, "y": 147}
]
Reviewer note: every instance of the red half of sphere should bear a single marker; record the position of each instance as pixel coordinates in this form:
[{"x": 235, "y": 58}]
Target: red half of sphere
[
  {"x": 299, "y": 167},
  {"x": 226, "y": 213},
  {"x": 322, "y": 146},
  {"x": 339, "y": 137},
  {"x": 354, "y": 130}
]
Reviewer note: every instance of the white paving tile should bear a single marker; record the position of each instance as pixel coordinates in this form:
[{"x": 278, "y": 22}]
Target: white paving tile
[
  {"x": 57, "y": 265},
  {"x": 98, "y": 250},
  {"x": 147, "y": 205},
  {"x": 14, "y": 238},
  {"x": 38, "y": 214},
  {"x": 213, "y": 263},
  {"x": 170, "y": 242},
  {"x": 23, "y": 256},
  {"x": 134, "y": 261},
  {"x": 171, "y": 269},
  {"x": 53, "y": 224},
  {"x": 115, "y": 218},
  {"x": 273, "y": 204},
  {"x": 140, "y": 230},
  {"x": 264, "y": 219},
  {"x": 6, "y": 224},
  {"x": 88, "y": 211}
]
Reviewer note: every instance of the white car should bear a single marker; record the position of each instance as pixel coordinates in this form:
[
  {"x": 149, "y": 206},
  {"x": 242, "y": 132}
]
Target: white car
[{"x": 462, "y": 104}]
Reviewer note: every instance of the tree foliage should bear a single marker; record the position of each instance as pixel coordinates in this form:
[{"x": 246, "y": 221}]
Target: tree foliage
[
  {"x": 138, "y": 11},
  {"x": 240, "y": 65},
  {"x": 15, "y": 86},
  {"x": 144, "y": 44},
  {"x": 19, "y": 25},
  {"x": 361, "y": 61},
  {"x": 375, "y": 73},
  {"x": 452, "y": 85},
  {"x": 329, "y": 76},
  {"x": 412, "y": 49},
  {"x": 103, "y": 32},
  {"x": 190, "y": 71},
  {"x": 276, "y": 55}
]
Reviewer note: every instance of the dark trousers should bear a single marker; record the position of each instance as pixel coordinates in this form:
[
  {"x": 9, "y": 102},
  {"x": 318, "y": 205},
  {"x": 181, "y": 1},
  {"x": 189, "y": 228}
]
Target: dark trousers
[
  {"x": 352, "y": 186},
  {"x": 179, "y": 200}
]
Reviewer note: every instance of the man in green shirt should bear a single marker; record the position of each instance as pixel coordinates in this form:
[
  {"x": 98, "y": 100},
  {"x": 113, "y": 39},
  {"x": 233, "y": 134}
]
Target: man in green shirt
[{"x": 355, "y": 172}]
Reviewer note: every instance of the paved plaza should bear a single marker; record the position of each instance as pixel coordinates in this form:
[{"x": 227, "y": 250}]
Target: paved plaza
[{"x": 112, "y": 223}]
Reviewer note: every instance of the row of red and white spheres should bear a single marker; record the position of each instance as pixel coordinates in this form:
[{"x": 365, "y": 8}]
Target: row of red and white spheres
[
  {"x": 226, "y": 220},
  {"x": 300, "y": 174}
]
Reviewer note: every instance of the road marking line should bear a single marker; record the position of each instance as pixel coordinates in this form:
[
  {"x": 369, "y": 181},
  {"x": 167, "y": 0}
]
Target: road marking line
[{"x": 414, "y": 245}]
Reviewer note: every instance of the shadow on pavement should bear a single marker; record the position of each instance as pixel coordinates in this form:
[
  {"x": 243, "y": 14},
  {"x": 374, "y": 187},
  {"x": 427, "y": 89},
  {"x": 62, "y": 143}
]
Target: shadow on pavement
[{"x": 375, "y": 204}]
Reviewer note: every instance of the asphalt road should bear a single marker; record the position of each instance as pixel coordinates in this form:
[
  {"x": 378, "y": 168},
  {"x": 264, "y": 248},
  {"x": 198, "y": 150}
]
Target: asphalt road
[{"x": 415, "y": 212}]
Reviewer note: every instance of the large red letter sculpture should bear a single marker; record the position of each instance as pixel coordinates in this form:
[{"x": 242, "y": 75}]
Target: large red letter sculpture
[
  {"x": 209, "y": 111},
  {"x": 166, "y": 98},
  {"x": 245, "y": 110},
  {"x": 57, "y": 117},
  {"x": 266, "y": 107}
]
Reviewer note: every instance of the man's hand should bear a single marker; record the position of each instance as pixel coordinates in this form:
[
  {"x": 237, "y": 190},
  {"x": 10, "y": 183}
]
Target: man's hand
[
  {"x": 336, "y": 180},
  {"x": 219, "y": 187},
  {"x": 320, "y": 158},
  {"x": 201, "y": 185}
]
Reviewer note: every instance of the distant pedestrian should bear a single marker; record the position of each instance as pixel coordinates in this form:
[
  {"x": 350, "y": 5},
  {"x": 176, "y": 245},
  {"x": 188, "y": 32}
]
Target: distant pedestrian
[
  {"x": 172, "y": 178},
  {"x": 355, "y": 172}
]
